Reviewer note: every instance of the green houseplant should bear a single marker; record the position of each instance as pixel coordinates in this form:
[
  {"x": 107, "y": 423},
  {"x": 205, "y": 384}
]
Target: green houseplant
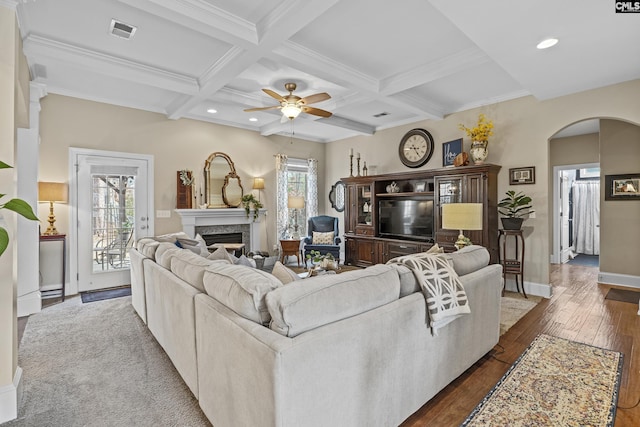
[
  {"x": 18, "y": 206},
  {"x": 513, "y": 208},
  {"x": 248, "y": 201}
]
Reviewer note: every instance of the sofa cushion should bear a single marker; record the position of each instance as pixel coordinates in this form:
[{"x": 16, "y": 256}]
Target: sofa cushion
[
  {"x": 147, "y": 246},
  {"x": 165, "y": 252},
  {"x": 171, "y": 237},
  {"x": 284, "y": 274},
  {"x": 190, "y": 267},
  {"x": 221, "y": 253},
  {"x": 308, "y": 304},
  {"x": 196, "y": 246},
  {"x": 469, "y": 259},
  {"x": 408, "y": 282},
  {"x": 242, "y": 289}
]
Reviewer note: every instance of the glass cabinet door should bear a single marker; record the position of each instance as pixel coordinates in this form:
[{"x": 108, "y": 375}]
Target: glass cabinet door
[
  {"x": 365, "y": 208},
  {"x": 449, "y": 190}
]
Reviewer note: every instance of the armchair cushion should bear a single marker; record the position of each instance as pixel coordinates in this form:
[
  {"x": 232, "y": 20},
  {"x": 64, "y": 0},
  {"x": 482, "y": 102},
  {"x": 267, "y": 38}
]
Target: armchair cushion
[{"x": 322, "y": 238}]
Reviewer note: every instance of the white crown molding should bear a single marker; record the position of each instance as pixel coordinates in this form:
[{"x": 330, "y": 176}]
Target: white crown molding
[
  {"x": 38, "y": 46},
  {"x": 493, "y": 100}
]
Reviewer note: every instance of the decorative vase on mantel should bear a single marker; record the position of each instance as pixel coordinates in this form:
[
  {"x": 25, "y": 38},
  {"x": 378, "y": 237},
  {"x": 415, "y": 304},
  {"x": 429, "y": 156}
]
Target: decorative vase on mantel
[{"x": 479, "y": 152}]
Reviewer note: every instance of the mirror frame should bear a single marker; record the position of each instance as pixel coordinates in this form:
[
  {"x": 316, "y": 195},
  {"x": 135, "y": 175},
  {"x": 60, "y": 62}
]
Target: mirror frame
[
  {"x": 337, "y": 204},
  {"x": 225, "y": 199},
  {"x": 207, "y": 176}
]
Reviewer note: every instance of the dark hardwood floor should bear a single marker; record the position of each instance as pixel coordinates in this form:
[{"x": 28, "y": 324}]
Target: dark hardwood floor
[{"x": 577, "y": 311}]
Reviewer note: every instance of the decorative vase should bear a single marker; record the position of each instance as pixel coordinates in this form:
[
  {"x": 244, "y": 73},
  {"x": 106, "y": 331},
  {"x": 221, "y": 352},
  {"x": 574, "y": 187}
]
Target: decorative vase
[
  {"x": 511, "y": 223},
  {"x": 478, "y": 152}
]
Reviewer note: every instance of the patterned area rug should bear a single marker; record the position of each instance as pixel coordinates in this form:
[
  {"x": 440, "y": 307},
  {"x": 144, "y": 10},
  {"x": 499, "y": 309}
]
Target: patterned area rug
[
  {"x": 513, "y": 307},
  {"x": 555, "y": 382}
]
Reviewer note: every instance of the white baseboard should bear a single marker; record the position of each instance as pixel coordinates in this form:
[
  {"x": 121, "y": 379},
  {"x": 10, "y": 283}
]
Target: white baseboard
[
  {"x": 619, "y": 279},
  {"x": 539, "y": 289},
  {"x": 10, "y": 396},
  {"x": 29, "y": 304}
]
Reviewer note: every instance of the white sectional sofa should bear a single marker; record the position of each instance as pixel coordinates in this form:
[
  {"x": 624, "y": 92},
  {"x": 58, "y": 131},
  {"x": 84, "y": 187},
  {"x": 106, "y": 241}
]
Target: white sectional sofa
[{"x": 353, "y": 349}]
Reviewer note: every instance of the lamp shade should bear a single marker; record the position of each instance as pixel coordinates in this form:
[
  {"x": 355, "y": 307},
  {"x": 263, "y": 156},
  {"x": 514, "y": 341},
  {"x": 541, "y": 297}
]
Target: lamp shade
[
  {"x": 296, "y": 202},
  {"x": 462, "y": 216},
  {"x": 291, "y": 111},
  {"x": 258, "y": 183},
  {"x": 52, "y": 192}
]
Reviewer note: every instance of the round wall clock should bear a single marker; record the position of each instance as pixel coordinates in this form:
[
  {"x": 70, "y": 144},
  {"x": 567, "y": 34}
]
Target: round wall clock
[{"x": 416, "y": 148}]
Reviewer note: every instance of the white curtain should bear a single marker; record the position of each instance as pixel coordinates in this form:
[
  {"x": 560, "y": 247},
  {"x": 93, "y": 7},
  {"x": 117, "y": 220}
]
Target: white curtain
[
  {"x": 282, "y": 211},
  {"x": 586, "y": 217},
  {"x": 312, "y": 188}
]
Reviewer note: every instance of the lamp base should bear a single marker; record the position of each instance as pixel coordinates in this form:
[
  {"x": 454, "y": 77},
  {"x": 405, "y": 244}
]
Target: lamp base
[
  {"x": 51, "y": 229},
  {"x": 462, "y": 241}
]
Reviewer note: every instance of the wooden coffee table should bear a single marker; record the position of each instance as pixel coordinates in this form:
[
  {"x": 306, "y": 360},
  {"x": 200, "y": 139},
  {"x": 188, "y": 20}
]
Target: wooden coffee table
[{"x": 290, "y": 247}]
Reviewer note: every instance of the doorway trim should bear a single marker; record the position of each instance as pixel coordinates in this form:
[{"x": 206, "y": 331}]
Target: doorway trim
[
  {"x": 556, "y": 250},
  {"x": 74, "y": 153}
]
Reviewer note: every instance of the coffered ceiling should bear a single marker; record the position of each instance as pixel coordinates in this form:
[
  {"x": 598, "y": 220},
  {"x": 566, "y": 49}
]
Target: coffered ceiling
[{"x": 384, "y": 63}]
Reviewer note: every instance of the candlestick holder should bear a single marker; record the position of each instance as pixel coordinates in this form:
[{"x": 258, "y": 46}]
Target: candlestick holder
[
  {"x": 351, "y": 165},
  {"x": 358, "y": 159}
]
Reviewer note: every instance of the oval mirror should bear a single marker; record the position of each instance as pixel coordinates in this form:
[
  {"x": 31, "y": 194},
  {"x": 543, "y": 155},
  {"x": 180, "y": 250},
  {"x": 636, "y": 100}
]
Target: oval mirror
[
  {"x": 232, "y": 190},
  {"x": 336, "y": 196},
  {"x": 216, "y": 168}
]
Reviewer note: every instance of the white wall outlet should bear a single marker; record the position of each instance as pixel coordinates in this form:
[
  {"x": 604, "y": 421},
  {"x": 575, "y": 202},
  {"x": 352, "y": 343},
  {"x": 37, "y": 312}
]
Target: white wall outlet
[
  {"x": 163, "y": 214},
  {"x": 532, "y": 215}
]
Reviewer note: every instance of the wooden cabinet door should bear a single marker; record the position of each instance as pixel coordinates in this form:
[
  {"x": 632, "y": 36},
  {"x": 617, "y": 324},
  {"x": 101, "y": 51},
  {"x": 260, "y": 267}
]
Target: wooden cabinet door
[
  {"x": 475, "y": 192},
  {"x": 447, "y": 189},
  {"x": 351, "y": 211},
  {"x": 366, "y": 250},
  {"x": 351, "y": 254}
]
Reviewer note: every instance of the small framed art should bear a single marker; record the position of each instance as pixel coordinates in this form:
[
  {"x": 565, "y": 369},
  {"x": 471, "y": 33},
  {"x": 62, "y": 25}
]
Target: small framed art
[
  {"x": 522, "y": 175},
  {"x": 622, "y": 187},
  {"x": 450, "y": 150},
  {"x": 419, "y": 187}
]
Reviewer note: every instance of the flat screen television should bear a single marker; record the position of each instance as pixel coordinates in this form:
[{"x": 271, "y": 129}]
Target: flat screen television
[{"x": 406, "y": 218}]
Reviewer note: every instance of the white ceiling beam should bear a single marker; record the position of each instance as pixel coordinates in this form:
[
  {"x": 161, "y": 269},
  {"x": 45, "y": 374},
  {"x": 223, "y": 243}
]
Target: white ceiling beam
[
  {"x": 296, "y": 16},
  {"x": 38, "y": 47}
]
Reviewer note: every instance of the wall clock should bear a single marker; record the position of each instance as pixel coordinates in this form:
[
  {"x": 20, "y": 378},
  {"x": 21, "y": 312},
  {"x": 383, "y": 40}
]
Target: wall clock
[{"x": 416, "y": 148}]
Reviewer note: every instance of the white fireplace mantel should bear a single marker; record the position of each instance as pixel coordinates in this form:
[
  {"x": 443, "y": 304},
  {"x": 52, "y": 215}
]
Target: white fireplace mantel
[{"x": 192, "y": 218}]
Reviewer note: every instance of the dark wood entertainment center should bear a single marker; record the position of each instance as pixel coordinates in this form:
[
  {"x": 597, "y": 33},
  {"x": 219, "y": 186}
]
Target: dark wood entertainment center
[{"x": 365, "y": 246}]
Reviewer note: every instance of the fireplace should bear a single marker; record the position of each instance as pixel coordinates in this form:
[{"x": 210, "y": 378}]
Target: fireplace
[
  {"x": 210, "y": 239},
  {"x": 224, "y": 221}
]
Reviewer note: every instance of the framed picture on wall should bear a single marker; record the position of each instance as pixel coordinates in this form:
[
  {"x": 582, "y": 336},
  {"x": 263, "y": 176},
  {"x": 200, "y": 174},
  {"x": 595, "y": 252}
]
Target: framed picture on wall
[
  {"x": 522, "y": 175},
  {"x": 450, "y": 150},
  {"x": 622, "y": 187}
]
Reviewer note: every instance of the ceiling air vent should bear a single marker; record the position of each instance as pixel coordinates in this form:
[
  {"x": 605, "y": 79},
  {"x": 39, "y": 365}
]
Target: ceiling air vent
[
  {"x": 122, "y": 30},
  {"x": 384, "y": 113}
]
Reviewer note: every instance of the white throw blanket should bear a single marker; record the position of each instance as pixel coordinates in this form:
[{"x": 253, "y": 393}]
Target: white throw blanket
[{"x": 445, "y": 295}]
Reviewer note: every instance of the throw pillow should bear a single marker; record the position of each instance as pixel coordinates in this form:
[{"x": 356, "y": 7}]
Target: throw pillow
[
  {"x": 243, "y": 260},
  {"x": 284, "y": 274},
  {"x": 435, "y": 249},
  {"x": 323, "y": 238},
  {"x": 202, "y": 244},
  {"x": 221, "y": 253}
]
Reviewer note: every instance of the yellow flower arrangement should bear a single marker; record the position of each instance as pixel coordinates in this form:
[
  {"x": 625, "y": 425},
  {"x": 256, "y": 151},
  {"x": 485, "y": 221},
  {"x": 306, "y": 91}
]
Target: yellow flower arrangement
[{"x": 481, "y": 132}]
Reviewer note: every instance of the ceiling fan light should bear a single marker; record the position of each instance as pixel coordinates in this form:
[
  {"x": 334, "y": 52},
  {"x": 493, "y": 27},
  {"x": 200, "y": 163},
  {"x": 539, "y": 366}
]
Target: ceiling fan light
[{"x": 291, "y": 111}]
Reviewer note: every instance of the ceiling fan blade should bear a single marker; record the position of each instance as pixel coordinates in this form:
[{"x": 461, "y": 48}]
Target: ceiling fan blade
[
  {"x": 273, "y": 94},
  {"x": 311, "y": 99},
  {"x": 248, "y": 110},
  {"x": 316, "y": 111}
]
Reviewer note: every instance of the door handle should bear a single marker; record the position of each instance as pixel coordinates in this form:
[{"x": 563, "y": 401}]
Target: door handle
[{"x": 143, "y": 227}]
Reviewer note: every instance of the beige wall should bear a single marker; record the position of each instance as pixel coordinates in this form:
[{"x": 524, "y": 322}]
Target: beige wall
[
  {"x": 175, "y": 144},
  {"x": 574, "y": 150},
  {"x": 619, "y": 219},
  {"x": 522, "y": 130}
]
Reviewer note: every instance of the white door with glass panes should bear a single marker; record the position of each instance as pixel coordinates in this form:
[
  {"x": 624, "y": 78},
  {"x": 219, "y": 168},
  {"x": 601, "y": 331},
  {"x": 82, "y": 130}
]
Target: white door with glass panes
[{"x": 113, "y": 211}]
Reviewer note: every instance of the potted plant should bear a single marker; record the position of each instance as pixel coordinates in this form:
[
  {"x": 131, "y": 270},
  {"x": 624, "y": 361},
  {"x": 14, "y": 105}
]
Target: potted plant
[
  {"x": 513, "y": 208},
  {"x": 326, "y": 261},
  {"x": 248, "y": 201},
  {"x": 18, "y": 206}
]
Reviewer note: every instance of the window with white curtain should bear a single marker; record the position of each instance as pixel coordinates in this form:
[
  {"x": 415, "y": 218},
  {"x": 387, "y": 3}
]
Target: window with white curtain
[{"x": 297, "y": 179}]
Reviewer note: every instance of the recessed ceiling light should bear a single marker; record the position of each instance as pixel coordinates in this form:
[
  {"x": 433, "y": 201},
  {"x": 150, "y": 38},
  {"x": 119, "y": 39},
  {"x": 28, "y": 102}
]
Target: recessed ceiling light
[
  {"x": 212, "y": 110},
  {"x": 253, "y": 119},
  {"x": 547, "y": 43}
]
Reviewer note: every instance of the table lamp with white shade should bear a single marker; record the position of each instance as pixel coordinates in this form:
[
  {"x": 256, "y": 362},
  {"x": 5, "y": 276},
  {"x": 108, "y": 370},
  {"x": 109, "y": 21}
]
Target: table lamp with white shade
[
  {"x": 295, "y": 203},
  {"x": 52, "y": 192},
  {"x": 462, "y": 216}
]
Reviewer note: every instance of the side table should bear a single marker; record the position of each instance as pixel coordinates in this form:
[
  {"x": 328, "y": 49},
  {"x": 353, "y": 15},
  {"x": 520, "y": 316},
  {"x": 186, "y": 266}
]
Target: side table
[
  {"x": 515, "y": 264},
  {"x": 53, "y": 293},
  {"x": 290, "y": 247}
]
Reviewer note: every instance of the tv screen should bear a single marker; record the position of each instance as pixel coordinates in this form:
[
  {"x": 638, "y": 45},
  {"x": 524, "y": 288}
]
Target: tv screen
[{"x": 406, "y": 218}]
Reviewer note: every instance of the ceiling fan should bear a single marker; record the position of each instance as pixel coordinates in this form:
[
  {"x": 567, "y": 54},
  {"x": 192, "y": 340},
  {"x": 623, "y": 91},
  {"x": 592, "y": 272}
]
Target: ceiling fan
[{"x": 292, "y": 105}]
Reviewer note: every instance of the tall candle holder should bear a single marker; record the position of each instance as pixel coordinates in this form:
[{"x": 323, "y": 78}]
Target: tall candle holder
[
  {"x": 358, "y": 159},
  {"x": 351, "y": 165}
]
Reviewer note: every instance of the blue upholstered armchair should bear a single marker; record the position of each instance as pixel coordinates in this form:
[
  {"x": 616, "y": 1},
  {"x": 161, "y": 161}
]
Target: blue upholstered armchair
[{"x": 323, "y": 243}]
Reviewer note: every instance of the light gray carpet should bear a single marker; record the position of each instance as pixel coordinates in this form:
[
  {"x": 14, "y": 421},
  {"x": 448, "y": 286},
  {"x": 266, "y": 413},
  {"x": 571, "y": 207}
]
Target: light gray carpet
[{"x": 98, "y": 365}]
